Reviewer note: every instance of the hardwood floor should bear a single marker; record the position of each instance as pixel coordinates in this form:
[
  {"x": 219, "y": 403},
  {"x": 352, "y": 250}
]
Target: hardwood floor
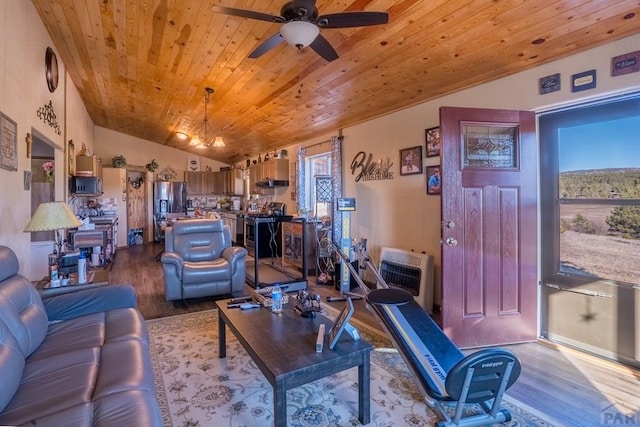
[{"x": 571, "y": 387}]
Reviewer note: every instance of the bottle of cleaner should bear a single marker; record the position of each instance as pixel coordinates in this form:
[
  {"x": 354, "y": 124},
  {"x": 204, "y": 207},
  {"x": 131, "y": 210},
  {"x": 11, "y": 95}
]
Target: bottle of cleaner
[{"x": 82, "y": 268}]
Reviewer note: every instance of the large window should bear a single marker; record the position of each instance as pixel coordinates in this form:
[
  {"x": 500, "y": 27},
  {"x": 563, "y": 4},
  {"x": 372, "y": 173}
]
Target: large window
[
  {"x": 590, "y": 193},
  {"x": 317, "y": 166}
]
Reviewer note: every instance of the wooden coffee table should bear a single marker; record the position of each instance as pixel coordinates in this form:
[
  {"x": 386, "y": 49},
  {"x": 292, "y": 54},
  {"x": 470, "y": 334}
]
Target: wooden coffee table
[{"x": 283, "y": 348}]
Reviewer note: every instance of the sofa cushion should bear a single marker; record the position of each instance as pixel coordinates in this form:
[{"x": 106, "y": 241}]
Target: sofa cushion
[
  {"x": 24, "y": 314},
  {"x": 206, "y": 272},
  {"x": 79, "y": 368},
  {"x": 12, "y": 363}
]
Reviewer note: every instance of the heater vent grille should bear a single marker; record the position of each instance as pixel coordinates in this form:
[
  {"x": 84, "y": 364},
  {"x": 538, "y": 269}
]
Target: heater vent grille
[{"x": 410, "y": 271}]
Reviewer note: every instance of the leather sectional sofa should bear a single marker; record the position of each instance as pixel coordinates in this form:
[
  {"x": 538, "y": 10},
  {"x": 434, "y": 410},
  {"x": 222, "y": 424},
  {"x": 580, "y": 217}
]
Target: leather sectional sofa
[{"x": 75, "y": 359}]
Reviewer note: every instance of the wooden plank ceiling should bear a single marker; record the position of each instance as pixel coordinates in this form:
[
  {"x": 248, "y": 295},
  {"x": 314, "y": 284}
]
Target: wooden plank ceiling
[{"x": 142, "y": 66}]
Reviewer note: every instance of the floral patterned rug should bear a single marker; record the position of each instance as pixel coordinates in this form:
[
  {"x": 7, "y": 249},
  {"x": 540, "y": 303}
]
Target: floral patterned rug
[{"x": 196, "y": 388}]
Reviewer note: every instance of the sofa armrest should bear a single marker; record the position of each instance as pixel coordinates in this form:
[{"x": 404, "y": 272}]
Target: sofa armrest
[{"x": 89, "y": 301}]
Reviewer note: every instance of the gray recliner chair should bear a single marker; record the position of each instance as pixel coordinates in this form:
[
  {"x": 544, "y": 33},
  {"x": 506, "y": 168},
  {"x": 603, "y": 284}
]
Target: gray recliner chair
[{"x": 199, "y": 260}]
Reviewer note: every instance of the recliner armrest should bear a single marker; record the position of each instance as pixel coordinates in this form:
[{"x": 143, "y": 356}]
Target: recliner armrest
[
  {"x": 234, "y": 254},
  {"x": 89, "y": 301},
  {"x": 174, "y": 259}
]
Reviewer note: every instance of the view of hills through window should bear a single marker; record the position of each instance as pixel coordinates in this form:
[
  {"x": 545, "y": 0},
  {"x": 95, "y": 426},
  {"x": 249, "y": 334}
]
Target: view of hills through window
[{"x": 599, "y": 192}]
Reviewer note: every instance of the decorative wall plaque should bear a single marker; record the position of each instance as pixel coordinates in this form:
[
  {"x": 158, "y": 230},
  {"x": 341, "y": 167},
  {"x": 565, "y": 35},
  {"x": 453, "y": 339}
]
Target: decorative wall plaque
[
  {"x": 583, "y": 81},
  {"x": 625, "y": 64},
  {"x": 549, "y": 84},
  {"x": 47, "y": 115},
  {"x": 366, "y": 169}
]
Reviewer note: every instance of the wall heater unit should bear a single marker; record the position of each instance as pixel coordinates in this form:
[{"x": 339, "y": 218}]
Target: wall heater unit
[{"x": 410, "y": 271}]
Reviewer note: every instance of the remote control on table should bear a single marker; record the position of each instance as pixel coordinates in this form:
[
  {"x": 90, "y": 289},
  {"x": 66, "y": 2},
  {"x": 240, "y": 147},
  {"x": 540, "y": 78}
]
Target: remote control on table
[{"x": 248, "y": 305}]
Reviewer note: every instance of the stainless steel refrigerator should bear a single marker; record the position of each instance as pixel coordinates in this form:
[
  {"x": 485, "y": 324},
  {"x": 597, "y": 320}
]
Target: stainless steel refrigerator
[{"x": 168, "y": 197}]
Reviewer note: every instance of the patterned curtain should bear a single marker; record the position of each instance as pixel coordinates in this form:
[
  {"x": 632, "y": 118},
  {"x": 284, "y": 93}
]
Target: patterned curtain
[
  {"x": 336, "y": 176},
  {"x": 336, "y": 179}
]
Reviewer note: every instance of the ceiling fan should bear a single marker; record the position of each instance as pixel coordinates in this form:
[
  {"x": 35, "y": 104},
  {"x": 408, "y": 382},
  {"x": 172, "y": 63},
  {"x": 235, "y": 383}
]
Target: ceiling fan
[{"x": 301, "y": 25}]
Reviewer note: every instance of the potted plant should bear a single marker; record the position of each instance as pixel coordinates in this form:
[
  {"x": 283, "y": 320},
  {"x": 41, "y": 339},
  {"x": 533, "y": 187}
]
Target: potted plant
[
  {"x": 152, "y": 166},
  {"x": 119, "y": 161}
]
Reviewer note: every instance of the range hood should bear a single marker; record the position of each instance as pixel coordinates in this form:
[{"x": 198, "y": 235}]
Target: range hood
[{"x": 270, "y": 183}]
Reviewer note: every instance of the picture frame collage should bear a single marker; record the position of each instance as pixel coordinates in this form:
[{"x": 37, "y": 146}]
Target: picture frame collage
[{"x": 411, "y": 160}]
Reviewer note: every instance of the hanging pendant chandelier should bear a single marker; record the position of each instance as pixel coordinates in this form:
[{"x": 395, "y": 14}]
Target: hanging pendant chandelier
[{"x": 202, "y": 143}]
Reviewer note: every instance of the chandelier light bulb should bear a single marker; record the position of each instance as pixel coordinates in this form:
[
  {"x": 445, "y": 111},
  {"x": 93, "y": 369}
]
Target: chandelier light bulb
[{"x": 218, "y": 142}]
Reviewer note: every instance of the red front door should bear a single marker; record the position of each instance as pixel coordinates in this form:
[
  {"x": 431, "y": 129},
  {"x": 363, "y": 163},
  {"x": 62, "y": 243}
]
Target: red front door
[{"x": 489, "y": 234}]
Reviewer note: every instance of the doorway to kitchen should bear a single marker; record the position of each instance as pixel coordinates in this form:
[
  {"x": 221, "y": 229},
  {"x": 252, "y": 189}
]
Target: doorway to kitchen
[{"x": 42, "y": 180}]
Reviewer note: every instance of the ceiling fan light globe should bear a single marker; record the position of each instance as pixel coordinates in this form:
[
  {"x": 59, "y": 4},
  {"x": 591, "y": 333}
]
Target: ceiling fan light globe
[{"x": 299, "y": 33}]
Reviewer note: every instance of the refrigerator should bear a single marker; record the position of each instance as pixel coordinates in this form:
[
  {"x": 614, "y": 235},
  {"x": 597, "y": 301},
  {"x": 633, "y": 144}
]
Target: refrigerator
[{"x": 168, "y": 198}]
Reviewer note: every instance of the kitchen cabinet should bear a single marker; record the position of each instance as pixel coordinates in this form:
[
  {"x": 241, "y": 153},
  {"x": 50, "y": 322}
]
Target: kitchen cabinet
[
  {"x": 270, "y": 170},
  {"x": 276, "y": 169},
  {"x": 233, "y": 182},
  {"x": 195, "y": 182},
  {"x": 297, "y": 235},
  {"x": 255, "y": 176},
  {"x": 230, "y": 219},
  {"x": 88, "y": 166},
  {"x": 219, "y": 183}
]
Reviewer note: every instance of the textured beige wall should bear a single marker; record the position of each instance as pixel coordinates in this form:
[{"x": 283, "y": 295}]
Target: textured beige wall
[{"x": 23, "y": 90}]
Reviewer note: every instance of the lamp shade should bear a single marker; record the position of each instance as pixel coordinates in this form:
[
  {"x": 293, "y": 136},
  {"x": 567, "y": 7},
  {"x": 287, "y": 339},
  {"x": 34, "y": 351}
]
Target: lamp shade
[
  {"x": 195, "y": 141},
  {"x": 299, "y": 33},
  {"x": 52, "y": 216},
  {"x": 218, "y": 142}
]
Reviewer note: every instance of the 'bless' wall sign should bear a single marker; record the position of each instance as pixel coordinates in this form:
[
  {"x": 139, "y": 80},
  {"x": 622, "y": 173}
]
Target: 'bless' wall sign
[{"x": 364, "y": 168}]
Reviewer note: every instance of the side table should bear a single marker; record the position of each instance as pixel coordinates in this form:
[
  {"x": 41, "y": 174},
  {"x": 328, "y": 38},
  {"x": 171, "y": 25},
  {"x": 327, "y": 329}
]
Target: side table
[{"x": 96, "y": 278}]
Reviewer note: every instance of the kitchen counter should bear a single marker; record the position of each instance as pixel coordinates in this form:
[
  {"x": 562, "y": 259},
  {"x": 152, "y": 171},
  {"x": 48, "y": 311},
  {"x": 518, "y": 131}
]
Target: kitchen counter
[
  {"x": 103, "y": 219},
  {"x": 104, "y": 235}
]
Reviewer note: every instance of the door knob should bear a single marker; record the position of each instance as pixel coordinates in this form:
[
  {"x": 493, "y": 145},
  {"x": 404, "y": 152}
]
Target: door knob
[{"x": 451, "y": 241}]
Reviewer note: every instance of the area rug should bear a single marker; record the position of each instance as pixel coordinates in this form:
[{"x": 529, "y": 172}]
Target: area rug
[{"x": 196, "y": 388}]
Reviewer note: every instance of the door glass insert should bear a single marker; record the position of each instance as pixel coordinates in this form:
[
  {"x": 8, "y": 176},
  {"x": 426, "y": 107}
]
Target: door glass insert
[{"x": 489, "y": 146}]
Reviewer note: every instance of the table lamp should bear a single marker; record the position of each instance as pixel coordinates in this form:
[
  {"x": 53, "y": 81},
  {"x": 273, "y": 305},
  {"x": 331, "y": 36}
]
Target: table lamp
[{"x": 55, "y": 216}]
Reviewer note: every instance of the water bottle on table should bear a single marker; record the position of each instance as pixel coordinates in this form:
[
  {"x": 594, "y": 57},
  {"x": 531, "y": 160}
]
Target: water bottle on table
[{"x": 276, "y": 299}]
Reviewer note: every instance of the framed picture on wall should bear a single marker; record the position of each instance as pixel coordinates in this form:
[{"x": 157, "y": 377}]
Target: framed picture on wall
[
  {"x": 434, "y": 180},
  {"x": 411, "y": 160},
  {"x": 432, "y": 141},
  {"x": 8, "y": 143}
]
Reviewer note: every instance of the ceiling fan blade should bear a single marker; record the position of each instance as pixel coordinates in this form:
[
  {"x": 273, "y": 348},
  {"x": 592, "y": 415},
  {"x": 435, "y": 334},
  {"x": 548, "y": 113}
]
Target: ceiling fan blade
[
  {"x": 323, "y": 48},
  {"x": 266, "y": 46},
  {"x": 352, "y": 19},
  {"x": 242, "y": 13}
]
